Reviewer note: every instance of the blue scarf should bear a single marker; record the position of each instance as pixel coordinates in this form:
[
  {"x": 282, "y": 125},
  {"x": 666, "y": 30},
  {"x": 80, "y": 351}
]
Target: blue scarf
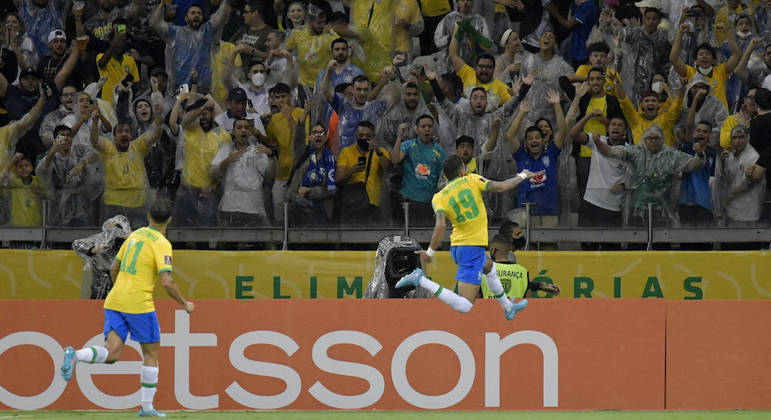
[{"x": 318, "y": 169}]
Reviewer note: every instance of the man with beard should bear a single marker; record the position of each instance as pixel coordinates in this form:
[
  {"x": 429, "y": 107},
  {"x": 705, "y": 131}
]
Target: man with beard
[
  {"x": 125, "y": 178},
  {"x": 63, "y": 173},
  {"x": 481, "y": 75},
  {"x": 115, "y": 64},
  {"x": 421, "y": 159},
  {"x": 191, "y": 45},
  {"x": 243, "y": 167},
  {"x": 40, "y": 18},
  {"x": 405, "y": 110},
  {"x": 196, "y": 203},
  {"x": 54, "y": 118},
  {"x": 345, "y": 71},
  {"x": 695, "y": 193},
  {"x": 609, "y": 107},
  {"x": 362, "y": 108},
  {"x": 50, "y": 67},
  {"x": 309, "y": 44},
  {"x": 706, "y": 57},
  {"x": 603, "y": 198}
]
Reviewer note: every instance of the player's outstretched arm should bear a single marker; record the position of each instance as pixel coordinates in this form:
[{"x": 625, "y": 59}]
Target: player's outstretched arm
[
  {"x": 173, "y": 291},
  {"x": 509, "y": 184},
  {"x": 436, "y": 238}
]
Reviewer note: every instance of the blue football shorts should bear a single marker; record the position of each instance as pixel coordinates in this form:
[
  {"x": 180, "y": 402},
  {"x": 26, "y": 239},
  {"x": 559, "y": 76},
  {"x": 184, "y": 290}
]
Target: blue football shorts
[
  {"x": 471, "y": 261},
  {"x": 144, "y": 327}
]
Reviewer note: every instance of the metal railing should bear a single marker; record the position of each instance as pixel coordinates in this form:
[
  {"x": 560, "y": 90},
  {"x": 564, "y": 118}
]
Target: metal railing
[{"x": 332, "y": 236}]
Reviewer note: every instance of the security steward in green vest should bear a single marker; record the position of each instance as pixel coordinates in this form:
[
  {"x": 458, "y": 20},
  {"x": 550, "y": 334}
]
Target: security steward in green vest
[{"x": 514, "y": 277}]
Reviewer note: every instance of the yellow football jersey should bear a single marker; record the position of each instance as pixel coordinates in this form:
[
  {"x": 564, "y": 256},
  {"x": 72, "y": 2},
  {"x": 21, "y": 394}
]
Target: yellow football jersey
[
  {"x": 124, "y": 173},
  {"x": 145, "y": 254},
  {"x": 461, "y": 201}
]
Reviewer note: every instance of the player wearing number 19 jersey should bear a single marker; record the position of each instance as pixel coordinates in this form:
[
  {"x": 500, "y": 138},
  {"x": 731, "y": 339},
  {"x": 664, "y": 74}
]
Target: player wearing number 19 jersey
[
  {"x": 129, "y": 307},
  {"x": 461, "y": 202}
]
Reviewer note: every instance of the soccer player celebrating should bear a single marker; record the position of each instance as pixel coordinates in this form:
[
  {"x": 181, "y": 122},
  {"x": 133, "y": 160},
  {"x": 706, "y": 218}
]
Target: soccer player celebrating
[
  {"x": 129, "y": 306},
  {"x": 461, "y": 201}
]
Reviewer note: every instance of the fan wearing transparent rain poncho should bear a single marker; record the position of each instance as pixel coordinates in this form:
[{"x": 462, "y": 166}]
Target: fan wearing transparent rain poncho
[
  {"x": 98, "y": 251},
  {"x": 655, "y": 167}
]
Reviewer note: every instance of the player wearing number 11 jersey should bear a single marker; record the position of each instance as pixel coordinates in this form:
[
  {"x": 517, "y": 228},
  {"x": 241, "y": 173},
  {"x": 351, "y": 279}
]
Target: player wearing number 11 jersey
[
  {"x": 129, "y": 307},
  {"x": 461, "y": 202}
]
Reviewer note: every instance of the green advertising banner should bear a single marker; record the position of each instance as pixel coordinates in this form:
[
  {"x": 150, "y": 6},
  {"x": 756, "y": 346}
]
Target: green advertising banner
[{"x": 345, "y": 274}]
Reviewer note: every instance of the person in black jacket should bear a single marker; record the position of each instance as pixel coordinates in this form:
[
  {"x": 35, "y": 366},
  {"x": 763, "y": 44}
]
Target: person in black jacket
[{"x": 759, "y": 138}]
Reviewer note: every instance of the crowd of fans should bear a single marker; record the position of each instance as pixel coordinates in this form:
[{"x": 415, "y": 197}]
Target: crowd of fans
[{"x": 347, "y": 109}]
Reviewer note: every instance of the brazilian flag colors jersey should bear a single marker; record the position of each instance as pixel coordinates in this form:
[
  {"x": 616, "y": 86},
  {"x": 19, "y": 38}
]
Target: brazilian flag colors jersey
[
  {"x": 461, "y": 201},
  {"x": 145, "y": 254},
  {"x": 514, "y": 279}
]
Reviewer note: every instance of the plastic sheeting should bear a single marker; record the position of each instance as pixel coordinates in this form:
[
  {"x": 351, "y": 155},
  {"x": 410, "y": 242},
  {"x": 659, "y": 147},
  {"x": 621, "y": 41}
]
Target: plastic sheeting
[
  {"x": 643, "y": 55},
  {"x": 442, "y": 40},
  {"x": 395, "y": 257},
  {"x": 96, "y": 267},
  {"x": 547, "y": 74},
  {"x": 70, "y": 195}
]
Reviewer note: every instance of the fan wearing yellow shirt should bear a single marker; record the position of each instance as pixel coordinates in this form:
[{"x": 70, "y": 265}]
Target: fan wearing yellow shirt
[
  {"x": 129, "y": 307},
  {"x": 460, "y": 201},
  {"x": 482, "y": 76},
  {"x": 125, "y": 189},
  {"x": 705, "y": 60}
]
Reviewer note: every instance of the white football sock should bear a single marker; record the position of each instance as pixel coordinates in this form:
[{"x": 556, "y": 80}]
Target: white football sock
[
  {"x": 93, "y": 354},
  {"x": 456, "y": 302},
  {"x": 495, "y": 286},
  {"x": 149, "y": 377}
]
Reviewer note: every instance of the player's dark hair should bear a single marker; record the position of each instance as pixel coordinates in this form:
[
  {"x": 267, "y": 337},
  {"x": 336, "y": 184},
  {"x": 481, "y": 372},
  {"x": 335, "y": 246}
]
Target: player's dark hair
[
  {"x": 160, "y": 210},
  {"x": 598, "y": 47},
  {"x": 60, "y": 128},
  {"x": 280, "y": 88},
  {"x": 422, "y": 117},
  {"x": 338, "y": 41},
  {"x": 452, "y": 166}
]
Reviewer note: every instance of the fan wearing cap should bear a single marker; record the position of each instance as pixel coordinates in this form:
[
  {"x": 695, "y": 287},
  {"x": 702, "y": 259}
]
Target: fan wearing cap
[
  {"x": 40, "y": 18},
  {"x": 58, "y": 66},
  {"x": 649, "y": 115},
  {"x": 22, "y": 99},
  {"x": 237, "y": 110},
  {"x": 706, "y": 58},
  {"x": 509, "y": 63}
]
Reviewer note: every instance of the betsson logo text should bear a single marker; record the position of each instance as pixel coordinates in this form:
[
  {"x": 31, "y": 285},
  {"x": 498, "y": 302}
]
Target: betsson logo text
[{"x": 182, "y": 340}]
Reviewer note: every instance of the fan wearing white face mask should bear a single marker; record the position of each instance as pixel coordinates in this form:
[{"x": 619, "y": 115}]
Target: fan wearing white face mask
[{"x": 706, "y": 57}]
